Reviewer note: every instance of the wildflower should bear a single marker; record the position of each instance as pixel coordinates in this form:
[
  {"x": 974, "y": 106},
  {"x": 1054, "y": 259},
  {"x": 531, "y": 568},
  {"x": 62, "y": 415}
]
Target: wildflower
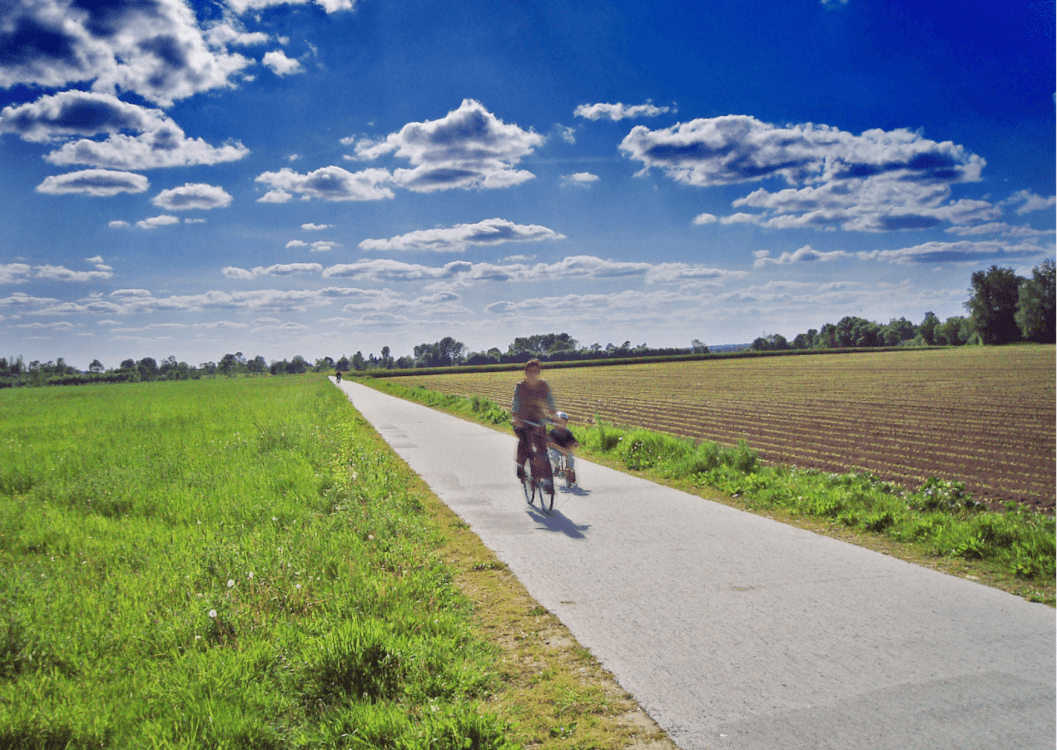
[
  {"x": 213, "y": 613},
  {"x": 299, "y": 587},
  {"x": 198, "y": 637},
  {"x": 251, "y": 575},
  {"x": 231, "y": 582}
]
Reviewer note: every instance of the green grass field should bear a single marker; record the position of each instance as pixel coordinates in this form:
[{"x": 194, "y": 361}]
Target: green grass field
[
  {"x": 223, "y": 564},
  {"x": 244, "y": 563}
]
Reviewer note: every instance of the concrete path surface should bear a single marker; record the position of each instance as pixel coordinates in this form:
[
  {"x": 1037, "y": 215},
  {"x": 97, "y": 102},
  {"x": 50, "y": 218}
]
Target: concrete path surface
[{"x": 735, "y": 631}]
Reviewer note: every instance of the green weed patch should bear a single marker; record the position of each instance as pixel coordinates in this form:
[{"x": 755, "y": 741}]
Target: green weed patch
[{"x": 940, "y": 519}]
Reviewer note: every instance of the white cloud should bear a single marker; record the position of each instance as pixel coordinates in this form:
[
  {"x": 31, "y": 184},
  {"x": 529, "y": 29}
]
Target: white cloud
[
  {"x": 1030, "y": 201},
  {"x": 468, "y": 148},
  {"x": 280, "y": 64},
  {"x": 806, "y": 254},
  {"x": 738, "y": 148},
  {"x": 327, "y": 183},
  {"x": 316, "y": 227},
  {"x": 566, "y": 134},
  {"x": 117, "y": 224},
  {"x": 283, "y": 269},
  {"x": 323, "y": 246},
  {"x": 702, "y": 219},
  {"x": 14, "y": 273},
  {"x": 619, "y": 111},
  {"x": 964, "y": 251},
  {"x": 228, "y": 32},
  {"x": 296, "y": 243},
  {"x": 95, "y": 182},
  {"x": 192, "y": 196},
  {"x": 579, "y": 178},
  {"x": 330, "y": 6},
  {"x": 570, "y": 268},
  {"x": 61, "y": 273},
  {"x": 157, "y": 221},
  {"x": 876, "y": 181},
  {"x": 156, "y": 50},
  {"x": 164, "y": 146},
  {"x": 77, "y": 113},
  {"x": 457, "y": 238},
  {"x": 275, "y": 196}
]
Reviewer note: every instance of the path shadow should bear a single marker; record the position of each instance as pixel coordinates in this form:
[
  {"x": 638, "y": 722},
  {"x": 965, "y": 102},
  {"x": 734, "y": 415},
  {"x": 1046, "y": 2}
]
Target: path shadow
[{"x": 555, "y": 520}]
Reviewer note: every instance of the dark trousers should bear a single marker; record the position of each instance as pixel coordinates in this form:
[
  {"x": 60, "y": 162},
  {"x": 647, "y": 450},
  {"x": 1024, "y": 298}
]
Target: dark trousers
[{"x": 529, "y": 438}]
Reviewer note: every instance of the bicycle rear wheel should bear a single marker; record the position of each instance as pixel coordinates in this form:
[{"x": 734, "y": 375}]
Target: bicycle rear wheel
[
  {"x": 547, "y": 496},
  {"x": 527, "y": 484}
]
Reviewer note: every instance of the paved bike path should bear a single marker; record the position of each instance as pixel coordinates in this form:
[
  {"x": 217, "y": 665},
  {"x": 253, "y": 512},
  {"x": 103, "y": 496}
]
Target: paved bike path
[{"x": 735, "y": 631}]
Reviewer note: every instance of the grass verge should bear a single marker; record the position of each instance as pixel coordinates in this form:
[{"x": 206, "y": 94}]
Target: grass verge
[
  {"x": 246, "y": 564},
  {"x": 938, "y": 525}
]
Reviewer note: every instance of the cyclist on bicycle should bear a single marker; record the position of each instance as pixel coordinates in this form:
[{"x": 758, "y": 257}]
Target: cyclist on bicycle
[{"x": 532, "y": 403}]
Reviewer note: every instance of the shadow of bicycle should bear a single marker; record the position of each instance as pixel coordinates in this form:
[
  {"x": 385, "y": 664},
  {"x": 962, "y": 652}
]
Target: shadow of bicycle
[
  {"x": 555, "y": 520},
  {"x": 574, "y": 490}
]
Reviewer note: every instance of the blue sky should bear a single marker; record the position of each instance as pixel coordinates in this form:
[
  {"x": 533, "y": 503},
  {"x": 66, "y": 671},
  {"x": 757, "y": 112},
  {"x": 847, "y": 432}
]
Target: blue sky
[{"x": 317, "y": 178}]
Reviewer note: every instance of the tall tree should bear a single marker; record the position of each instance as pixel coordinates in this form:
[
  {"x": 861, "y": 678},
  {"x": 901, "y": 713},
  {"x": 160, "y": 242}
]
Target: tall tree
[
  {"x": 1035, "y": 304},
  {"x": 993, "y": 304},
  {"x": 927, "y": 329}
]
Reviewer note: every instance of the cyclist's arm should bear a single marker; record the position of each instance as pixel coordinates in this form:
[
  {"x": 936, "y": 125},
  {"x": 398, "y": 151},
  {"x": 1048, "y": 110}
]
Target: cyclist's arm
[{"x": 515, "y": 406}]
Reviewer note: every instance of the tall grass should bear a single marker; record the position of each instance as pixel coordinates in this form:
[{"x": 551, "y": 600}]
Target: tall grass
[
  {"x": 939, "y": 518},
  {"x": 218, "y": 563}
]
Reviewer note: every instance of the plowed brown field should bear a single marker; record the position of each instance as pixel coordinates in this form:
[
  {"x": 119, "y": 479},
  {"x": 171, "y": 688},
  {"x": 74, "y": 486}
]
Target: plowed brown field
[{"x": 981, "y": 415}]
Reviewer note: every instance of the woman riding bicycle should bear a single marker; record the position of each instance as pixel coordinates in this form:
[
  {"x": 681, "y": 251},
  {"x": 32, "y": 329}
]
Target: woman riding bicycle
[{"x": 532, "y": 403}]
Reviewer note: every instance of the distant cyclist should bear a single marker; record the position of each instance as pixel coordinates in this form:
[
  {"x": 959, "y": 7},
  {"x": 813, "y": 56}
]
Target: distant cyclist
[{"x": 532, "y": 403}]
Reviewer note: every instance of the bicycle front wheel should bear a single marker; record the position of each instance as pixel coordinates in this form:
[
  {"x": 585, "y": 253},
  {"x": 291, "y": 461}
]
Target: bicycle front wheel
[
  {"x": 527, "y": 484},
  {"x": 546, "y": 490}
]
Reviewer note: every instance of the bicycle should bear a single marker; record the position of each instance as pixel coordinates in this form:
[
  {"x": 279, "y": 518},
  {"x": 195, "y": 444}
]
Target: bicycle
[
  {"x": 538, "y": 478},
  {"x": 560, "y": 468}
]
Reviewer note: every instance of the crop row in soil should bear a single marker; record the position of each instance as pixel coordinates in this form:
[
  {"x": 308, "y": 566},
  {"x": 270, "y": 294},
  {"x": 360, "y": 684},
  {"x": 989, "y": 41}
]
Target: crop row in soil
[{"x": 981, "y": 415}]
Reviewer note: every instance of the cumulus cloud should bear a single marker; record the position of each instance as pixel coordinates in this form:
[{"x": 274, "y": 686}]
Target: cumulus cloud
[
  {"x": 806, "y": 254},
  {"x": 296, "y": 243},
  {"x": 280, "y": 64},
  {"x": 14, "y": 273},
  {"x": 316, "y": 227},
  {"x": 1031, "y": 202},
  {"x": 61, "y": 273},
  {"x": 327, "y": 183},
  {"x": 570, "y": 268},
  {"x": 77, "y": 113},
  {"x": 154, "y": 49},
  {"x": 117, "y": 224},
  {"x": 330, "y": 6},
  {"x": 283, "y": 269},
  {"x": 702, "y": 219},
  {"x": 738, "y": 148},
  {"x": 165, "y": 146},
  {"x": 876, "y": 181},
  {"x": 192, "y": 196},
  {"x": 323, "y": 246},
  {"x": 95, "y": 182},
  {"x": 457, "y": 238},
  {"x": 619, "y": 111},
  {"x": 579, "y": 178},
  {"x": 157, "y": 140},
  {"x": 157, "y": 221},
  {"x": 468, "y": 148},
  {"x": 964, "y": 251}
]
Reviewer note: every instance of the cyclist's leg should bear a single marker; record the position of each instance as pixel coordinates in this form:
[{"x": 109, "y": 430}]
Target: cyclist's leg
[{"x": 524, "y": 450}]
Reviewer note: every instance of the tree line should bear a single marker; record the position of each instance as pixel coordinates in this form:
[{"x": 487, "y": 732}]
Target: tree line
[{"x": 1003, "y": 308}]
